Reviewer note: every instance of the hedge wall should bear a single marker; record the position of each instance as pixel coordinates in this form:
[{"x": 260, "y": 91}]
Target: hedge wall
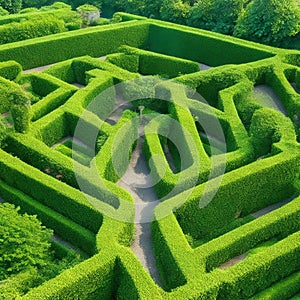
[
  {"x": 95, "y": 41},
  {"x": 198, "y": 45},
  {"x": 30, "y": 29},
  {"x": 10, "y": 70},
  {"x": 70, "y": 231},
  {"x": 151, "y": 63}
]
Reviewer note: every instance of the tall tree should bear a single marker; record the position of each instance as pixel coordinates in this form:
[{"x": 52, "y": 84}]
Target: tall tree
[
  {"x": 152, "y": 8},
  {"x": 13, "y": 6},
  {"x": 216, "y": 15},
  {"x": 131, "y": 6},
  {"x": 269, "y": 21},
  {"x": 176, "y": 11}
]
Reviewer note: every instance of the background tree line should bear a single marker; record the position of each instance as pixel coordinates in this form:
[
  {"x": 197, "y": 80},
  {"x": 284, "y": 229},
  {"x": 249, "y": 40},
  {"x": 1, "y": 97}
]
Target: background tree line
[{"x": 273, "y": 22}]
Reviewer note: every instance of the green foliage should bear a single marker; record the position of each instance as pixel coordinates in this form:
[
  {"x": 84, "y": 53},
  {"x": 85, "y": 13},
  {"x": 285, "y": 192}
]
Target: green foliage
[
  {"x": 218, "y": 50},
  {"x": 29, "y": 29},
  {"x": 24, "y": 242},
  {"x": 176, "y": 11},
  {"x": 141, "y": 92},
  {"x": 269, "y": 21},
  {"x": 21, "y": 117},
  {"x": 87, "y": 8},
  {"x": 152, "y": 8},
  {"x": 54, "y": 46},
  {"x": 10, "y": 70},
  {"x": 3, "y": 134},
  {"x": 13, "y": 6},
  {"x": 100, "y": 21},
  {"x": 56, "y": 5},
  {"x": 3, "y": 12},
  {"x": 216, "y": 15},
  {"x": 28, "y": 10},
  {"x": 34, "y": 3}
]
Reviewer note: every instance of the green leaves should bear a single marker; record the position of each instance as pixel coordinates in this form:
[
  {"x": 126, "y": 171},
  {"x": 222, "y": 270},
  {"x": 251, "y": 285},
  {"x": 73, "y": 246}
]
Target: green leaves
[
  {"x": 269, "y": 21},
  {"x": 24, "y": 241}
]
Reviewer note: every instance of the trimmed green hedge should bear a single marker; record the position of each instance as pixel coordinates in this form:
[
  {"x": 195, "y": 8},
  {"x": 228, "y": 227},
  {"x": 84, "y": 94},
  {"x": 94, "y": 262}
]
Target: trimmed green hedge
[
  {"x": 70, "y": 231},
  {"x": 10, "y": 70},
  {"x": 96, "y": 41},
  {"x": 91, "y": 279},
  {"x": 202, "y": 46},
  {"x": 30, "y": 29},
  {"x": 61, "y": 197},
  {"x": 151, "y": 63},
  {"x": 63, "y": 14}
]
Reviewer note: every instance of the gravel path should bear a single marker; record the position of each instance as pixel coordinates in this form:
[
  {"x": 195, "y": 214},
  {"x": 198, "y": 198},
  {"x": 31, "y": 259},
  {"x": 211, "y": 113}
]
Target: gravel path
[
  {"x": 38, "y": 69},
  {"x": 204, "y": 67},
  {"x": 265, "y": 96},
  {"x": 138, "y": 183},
  {"x": 271, "y": 208}
]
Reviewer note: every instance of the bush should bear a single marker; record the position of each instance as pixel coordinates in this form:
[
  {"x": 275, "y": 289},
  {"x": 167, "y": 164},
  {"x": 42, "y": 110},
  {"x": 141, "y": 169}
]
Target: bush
[
  {"x": 151, "y": 63},
  {"x": 10, "y": 70},
  {"x": 81, "y": 43},
  {"x": 25, "y": 242},
  {"x": 3, "y": 134},
  {"x": 3, "y": 12},
  {"x": 28, "y": 29},
  {"x": 216, "y": 15},
  {"x": 262, "y": 21},
  {"x": 100, "y": 22},
  {"x": 13, "y": 6},
  {"x": 28, "y": 10}
]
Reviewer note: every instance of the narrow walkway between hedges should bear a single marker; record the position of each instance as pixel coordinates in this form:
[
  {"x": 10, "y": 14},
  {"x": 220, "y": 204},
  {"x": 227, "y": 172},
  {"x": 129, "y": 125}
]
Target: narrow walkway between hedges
[
  {"x": 138, "y": 183},
  {"x": 265, "y": 96}
]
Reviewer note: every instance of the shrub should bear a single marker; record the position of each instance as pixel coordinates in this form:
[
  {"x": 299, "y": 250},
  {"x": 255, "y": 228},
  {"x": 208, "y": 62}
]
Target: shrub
[
  {"x": 81, "y": 43},
  {"x": 3, "y": 134},
  {"x": 100, "y": 22},
  {"x": 25, "y": 242},
  {"x": 28, "y": 10},
  {"x": 262, "y": 21},
  {"x": 3, "y": 12},
  {"x": 10, "y": 70},
  {"x": 158, "y": 64},
  {"x": 216, "y": 15},
  {"x": 13, "y": 6},
  {"x": 30, "y": 29}
]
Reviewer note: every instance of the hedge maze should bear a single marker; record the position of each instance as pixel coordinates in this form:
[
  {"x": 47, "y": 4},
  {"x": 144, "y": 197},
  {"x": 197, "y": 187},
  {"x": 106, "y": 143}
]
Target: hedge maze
[{"x": 214, "y": 191}]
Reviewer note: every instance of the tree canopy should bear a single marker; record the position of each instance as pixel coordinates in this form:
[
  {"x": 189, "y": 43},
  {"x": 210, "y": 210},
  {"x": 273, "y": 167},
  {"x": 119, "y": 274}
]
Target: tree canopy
[
  {"x": 216, "y": 15},
  {"x": 269, "y": 21},
  {"x": 24, "y": 242},
  {"x": 13, "y": 6}
]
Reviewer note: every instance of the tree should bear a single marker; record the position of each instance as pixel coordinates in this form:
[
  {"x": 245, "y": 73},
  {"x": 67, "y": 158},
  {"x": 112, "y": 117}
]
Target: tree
[
  {"x": 35, "y": 3},
  {"x": 13, "y": 6},
  {"x": 3, "y": 12},
  {"x": 216, "y": 15},
  {"x": 24, "y": 242},
  {"x": 269, "y": 21},
  {"x": 152, "y": 8},
  {"x": 175, "y": 11},
  {"x": 131, "y": 6}
]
